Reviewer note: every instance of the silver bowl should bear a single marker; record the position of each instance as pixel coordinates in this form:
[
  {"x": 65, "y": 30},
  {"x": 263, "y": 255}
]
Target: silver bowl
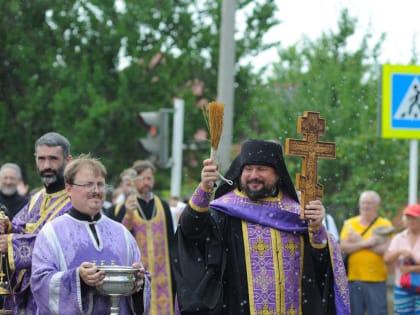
[{"x": 119, "y": 280}]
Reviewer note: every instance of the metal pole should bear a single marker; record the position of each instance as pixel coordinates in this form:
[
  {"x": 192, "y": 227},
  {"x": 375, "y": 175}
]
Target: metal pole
[
  {"x": 225, "y": 90},
  {"x": 414, "y": 150},
  {"x": 177, "y": 142}
]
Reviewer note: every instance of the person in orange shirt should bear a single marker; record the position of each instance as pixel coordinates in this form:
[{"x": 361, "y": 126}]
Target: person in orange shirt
[{"x": 367, "y": 272}]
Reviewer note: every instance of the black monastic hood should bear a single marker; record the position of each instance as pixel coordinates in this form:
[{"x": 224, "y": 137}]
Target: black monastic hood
[{"x": 259, "y": 152}]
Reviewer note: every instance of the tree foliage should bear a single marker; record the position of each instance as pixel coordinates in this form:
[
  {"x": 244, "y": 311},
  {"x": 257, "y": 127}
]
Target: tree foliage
[
  {"x": 326, "y": 77},
  {"x": 87, "y": 68}
]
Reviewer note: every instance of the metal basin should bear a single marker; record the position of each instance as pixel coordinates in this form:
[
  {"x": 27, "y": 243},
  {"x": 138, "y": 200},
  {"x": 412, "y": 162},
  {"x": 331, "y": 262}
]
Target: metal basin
[{"x": 119, "y": 280}]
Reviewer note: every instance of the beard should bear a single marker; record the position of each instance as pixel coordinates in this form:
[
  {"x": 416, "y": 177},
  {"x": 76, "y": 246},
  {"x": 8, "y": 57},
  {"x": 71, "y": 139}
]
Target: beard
[
  {"x": 256, "y": 194},
  {"x": 8, "y": 191},
  {"x": 48, "y": 180},
  {"x": 146, "y": 191},
  {"x": 53, "y": 176}
]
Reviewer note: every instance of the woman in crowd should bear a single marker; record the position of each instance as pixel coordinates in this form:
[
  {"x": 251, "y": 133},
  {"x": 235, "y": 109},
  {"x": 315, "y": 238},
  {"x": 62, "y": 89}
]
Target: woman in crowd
[{"x": 404, "y": 254}]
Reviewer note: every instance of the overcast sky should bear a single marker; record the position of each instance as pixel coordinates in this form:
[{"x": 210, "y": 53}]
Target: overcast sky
[{"x": 400, "y": 20}]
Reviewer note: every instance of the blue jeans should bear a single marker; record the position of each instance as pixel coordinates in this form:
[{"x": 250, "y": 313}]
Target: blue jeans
[{"x": 368, "y": 297}]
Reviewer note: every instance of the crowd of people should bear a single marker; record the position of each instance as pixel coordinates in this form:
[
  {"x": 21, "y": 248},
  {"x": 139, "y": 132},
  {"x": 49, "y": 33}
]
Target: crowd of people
[{"x": 238, "y": 245}]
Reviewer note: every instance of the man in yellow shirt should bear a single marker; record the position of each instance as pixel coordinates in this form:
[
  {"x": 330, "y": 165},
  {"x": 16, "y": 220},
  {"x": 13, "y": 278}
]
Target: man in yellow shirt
[{"x": 367, "y": 272}]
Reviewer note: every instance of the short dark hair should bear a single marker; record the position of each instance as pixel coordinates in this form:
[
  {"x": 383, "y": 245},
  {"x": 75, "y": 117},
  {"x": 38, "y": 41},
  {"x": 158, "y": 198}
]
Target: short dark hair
[
  {"x": 53, "y": 139},
  {"x": 141, "y": 165}
]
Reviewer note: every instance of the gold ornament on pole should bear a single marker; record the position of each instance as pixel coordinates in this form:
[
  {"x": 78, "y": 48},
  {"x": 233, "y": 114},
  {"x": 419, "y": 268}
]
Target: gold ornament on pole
[{"x": 4, "y": 268}]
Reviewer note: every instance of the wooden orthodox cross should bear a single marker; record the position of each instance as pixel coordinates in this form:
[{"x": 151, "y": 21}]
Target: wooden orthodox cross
[{"x": 311, "y": 126}]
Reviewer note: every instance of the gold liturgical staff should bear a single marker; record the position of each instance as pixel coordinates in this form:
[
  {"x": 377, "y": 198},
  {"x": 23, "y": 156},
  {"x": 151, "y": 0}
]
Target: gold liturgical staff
[
  {"x": 4, "y": 271},
  {"x": 311, "y": 126}
]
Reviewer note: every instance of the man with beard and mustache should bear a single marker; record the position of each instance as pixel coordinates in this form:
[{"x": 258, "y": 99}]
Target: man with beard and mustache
[
  {"x": 52, "y": 152},
  {"x": 248, "y": 251},
  {"x": 149, "y": 219},
  {"x": 10, "y": 176}
]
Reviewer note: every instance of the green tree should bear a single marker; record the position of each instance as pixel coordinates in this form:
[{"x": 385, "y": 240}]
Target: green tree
[
  {"x": 61, "y": 70},
  {"x": 324, "y": 76}
]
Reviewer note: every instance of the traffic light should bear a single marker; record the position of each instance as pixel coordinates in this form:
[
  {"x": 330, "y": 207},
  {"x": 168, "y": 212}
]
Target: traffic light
[{"x": 157, "y": 139}]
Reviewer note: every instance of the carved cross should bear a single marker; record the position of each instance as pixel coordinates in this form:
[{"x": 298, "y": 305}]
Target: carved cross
[{"x": 311, "y": 126}]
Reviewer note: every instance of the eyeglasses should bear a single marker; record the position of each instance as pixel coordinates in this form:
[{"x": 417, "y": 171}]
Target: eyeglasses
[{"x": 90, "y": 186}]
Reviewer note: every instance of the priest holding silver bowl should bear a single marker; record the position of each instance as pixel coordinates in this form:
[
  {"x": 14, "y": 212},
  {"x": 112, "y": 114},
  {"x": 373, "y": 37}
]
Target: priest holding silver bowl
[{"x": 83, "y": 262}]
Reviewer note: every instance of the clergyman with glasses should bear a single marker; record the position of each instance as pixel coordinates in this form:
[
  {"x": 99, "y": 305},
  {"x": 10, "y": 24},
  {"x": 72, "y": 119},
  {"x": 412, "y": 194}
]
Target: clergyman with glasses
[
  {"x": 69, "y": 250},
  {"x": 52, "y": 153}
]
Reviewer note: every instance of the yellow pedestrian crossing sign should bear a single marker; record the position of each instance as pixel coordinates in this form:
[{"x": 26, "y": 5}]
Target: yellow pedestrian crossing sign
[{"x": 399, "y": 106}]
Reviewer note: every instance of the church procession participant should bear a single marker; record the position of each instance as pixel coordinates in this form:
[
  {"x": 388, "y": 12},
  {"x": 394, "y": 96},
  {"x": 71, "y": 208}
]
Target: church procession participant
[
  {"x": 68, "y": 249},
  {"x": 248, "y": 251},
  {"x": 52, "y": 152},
  {"x": 10, "y": 176},
  {"x": 149, "y": 219}
]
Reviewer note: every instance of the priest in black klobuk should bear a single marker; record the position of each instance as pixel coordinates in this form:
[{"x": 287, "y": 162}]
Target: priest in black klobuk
[{"x": 248, "y": 252}]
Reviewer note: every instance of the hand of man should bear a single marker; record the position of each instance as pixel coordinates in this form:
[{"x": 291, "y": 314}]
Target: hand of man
[
  {"x": 372, "y": 241},
  {"x": 4, "y": 223},
  {"x": 355, "y": 237},
  {"x": 314, "y": 212},
  {"x": 140, "y": 276},
  {"x": 209, "y": 174},
  {"x": 131, "y": 203},
  {"x": 90, "y": 274},
  {"x": 3, "y": 243}
]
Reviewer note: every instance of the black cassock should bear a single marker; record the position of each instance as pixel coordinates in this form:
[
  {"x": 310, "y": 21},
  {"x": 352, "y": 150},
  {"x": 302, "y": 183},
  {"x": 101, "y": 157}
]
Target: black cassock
[{"x": 210, "y": 270}]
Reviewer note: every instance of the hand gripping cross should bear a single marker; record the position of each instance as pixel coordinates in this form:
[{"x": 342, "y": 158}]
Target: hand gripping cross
[{"x": 311, "y": 126}]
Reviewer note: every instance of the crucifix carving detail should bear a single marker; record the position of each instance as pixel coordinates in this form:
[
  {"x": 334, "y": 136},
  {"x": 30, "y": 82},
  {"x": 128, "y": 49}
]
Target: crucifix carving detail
[{"x": 311, "y": 126}]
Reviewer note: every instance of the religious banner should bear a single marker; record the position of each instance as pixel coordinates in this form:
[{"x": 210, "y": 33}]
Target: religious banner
[{"x": 311, "y": 126}]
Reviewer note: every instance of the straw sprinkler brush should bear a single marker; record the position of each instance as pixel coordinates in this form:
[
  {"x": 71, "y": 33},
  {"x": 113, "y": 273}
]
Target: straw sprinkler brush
[{"x": 213, "y": 115}]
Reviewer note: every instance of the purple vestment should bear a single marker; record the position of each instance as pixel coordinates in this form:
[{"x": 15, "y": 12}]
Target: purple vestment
[
  {"x": 287, "y": 266},
  {"x": 152, "y": 239},
  {"x": 62, "y": 246},
  {"x": 41, "y": 208},
  {"x": 273, "y": 226}
]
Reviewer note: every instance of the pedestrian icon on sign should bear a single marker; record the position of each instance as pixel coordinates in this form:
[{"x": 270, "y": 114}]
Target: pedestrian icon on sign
[
  {"x": 409, "y": 108},
  {"x": 416, "y": 100}
]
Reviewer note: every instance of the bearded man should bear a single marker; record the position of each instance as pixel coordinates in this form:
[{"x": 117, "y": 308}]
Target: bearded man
[
  {"x": 10, "y": 176},
  {"x": 52, "y": 152},
  {"x": 149, "y": 218},
  {"x": 248, "y": 252}
]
